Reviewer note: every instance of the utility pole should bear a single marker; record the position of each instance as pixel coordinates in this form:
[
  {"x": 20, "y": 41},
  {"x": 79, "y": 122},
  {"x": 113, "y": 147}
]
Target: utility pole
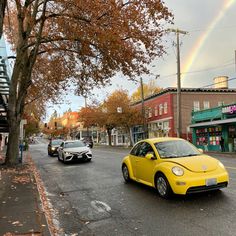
[
  {"x": 143, "y": 109},
  {"x": 179, "y": 115}
]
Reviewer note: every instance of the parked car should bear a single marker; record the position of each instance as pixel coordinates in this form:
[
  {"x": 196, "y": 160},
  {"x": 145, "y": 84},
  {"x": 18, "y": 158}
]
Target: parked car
[
  {"x": 173, "y": 165},
  {"x": 53, "y": 146},
  {"x": 88, "y": 141},
  {"x": 72, "y": 150}
]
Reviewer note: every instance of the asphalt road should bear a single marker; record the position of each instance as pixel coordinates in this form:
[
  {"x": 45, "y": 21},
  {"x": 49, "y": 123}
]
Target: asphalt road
[{"x": 92, "y": 199}]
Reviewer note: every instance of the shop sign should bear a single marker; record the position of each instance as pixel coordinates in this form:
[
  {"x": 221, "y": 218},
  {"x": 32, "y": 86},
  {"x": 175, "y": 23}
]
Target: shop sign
[{"x": 229, "y": 109}]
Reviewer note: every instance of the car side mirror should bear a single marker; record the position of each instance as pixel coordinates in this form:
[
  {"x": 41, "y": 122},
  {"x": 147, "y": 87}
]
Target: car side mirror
[{"x": 150, "y": 156}]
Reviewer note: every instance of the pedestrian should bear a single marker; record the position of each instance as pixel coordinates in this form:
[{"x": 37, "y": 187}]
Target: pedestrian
[
  {"x": 205, "y": 146},
  {"x": 222, "y": 144}
]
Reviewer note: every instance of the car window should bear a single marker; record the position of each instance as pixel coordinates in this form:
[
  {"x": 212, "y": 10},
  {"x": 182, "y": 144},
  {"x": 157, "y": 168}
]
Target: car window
[
  {"x": 135, "y": 149},
  {"x": 177, "y": 148},
  {"x": 145, "y": 148},
  {"x": 74, "y": 144},
  {"x": 56, "y": 142}
]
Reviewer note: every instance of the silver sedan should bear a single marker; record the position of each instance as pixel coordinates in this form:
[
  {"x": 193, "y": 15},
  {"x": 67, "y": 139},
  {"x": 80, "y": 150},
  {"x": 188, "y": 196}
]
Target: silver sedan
[{"x": 72, "y": 150}]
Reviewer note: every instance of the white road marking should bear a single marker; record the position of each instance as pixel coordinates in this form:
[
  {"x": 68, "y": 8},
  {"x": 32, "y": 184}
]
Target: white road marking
[{"x": 100, "y": 206}]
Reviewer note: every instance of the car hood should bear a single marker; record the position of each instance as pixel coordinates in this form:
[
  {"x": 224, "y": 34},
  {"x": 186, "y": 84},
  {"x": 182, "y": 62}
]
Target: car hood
[
  {"x": 202, "y": 163},
  {"x": 77, "y": 149}
]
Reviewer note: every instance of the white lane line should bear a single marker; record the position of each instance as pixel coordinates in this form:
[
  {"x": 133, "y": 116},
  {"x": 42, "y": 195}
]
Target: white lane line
[{"x": 100, "y": 207}]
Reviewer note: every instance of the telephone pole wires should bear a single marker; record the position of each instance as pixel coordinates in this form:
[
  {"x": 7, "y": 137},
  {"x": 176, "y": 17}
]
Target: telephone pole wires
[{"x": 179, "y": 115}]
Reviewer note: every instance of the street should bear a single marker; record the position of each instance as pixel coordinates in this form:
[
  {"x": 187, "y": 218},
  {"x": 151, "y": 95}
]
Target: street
[{"x": 93, "y": 199}]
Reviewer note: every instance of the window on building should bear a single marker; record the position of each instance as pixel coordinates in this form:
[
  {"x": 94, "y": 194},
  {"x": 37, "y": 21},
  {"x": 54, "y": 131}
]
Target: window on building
[
  {"x": 149, "y": 112},
  {"x": 165, "y": 108},
  {"x": 160, "y": 109},
  {"x": 156, "y": 110},
  {"x": 220, "y": 103},
  {"x": 206, "y": 105},
  {"x": 196, "y": 106}
]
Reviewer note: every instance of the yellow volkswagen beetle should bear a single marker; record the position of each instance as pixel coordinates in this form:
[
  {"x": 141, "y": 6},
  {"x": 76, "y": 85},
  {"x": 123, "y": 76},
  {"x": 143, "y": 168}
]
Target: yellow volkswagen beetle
[{"x": 173, "y": 165}]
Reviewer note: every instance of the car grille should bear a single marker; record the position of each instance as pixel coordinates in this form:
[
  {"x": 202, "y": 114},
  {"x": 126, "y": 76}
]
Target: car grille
[
  {"x": 204, "y": 188},
  {"x": 79, "y": 153}
]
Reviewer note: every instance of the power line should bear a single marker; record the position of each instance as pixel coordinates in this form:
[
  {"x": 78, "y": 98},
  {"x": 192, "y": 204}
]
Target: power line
[
  {"x": 211, "y": 28},
  {"x": 217, "y": 83}
]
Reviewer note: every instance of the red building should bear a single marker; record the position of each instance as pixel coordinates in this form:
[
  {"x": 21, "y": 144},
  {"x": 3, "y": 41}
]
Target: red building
[{"x": 161, "y": 109}]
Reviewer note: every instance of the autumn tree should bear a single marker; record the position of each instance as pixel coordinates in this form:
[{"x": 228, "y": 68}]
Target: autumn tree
[
  {"x": 117, "y": 113},
  {"x": 148, "y": 89},
  {"x": 84, "y": 41},
  {"x": 88, "y": 116}
]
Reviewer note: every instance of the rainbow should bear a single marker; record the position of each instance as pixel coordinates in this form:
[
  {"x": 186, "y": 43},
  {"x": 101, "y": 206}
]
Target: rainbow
[{"x": 201, "y": 40}]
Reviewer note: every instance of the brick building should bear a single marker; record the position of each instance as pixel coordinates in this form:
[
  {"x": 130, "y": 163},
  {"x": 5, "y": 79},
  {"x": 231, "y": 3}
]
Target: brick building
[{"x": 161, "y": 109}]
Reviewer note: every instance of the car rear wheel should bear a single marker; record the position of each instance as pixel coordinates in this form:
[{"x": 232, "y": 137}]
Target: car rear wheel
[
  {"x": 125, "y": 173},
  {"x": 163, "y": 187}
]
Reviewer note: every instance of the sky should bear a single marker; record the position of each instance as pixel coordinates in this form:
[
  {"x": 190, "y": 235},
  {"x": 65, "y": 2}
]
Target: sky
[{"x": 207, "y": 51}]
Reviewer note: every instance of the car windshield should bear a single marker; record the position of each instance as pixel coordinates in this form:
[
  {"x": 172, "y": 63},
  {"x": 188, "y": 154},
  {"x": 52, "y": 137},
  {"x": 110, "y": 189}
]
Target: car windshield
[
  {"x": 176, "y": 148},
  {"x": 74, "y": 144},
  {"x": 56, "y": 142}
]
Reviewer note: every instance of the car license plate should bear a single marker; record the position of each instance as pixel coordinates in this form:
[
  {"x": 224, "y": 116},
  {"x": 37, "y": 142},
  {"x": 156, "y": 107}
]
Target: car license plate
[
  {"x": 210, "y": 182},
  {"x": 78, "y": 156}
]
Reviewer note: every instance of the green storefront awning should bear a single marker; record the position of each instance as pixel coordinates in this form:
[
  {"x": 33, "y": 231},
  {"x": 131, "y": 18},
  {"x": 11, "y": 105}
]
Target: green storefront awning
[{"x": 215, "y": 122}]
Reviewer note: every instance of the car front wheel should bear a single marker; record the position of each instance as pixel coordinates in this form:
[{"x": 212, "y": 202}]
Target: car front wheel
[
  {"x": 125, "y": 173},
  {"x": 163, "y": 186}
]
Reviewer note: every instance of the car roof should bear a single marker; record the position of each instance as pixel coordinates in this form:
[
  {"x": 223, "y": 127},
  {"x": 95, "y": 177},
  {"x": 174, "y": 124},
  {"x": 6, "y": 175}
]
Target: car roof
[
  {"x": 161, "y": 139},
  {"x": 59, "y": 140},
  {"x": 71, "y": 141}
]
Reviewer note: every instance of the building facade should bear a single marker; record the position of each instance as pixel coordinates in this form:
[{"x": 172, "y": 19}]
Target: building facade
[
  {"x": 161, "y": 109},
  {"x": 211, "y": 126}
]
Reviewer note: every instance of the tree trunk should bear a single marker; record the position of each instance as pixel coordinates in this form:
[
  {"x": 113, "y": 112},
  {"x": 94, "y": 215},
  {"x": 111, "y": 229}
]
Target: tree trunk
[
  {"x": 109, "y": 136},
  {"x": 17, "y": 94},
  {"x": 12, "y": 155}
]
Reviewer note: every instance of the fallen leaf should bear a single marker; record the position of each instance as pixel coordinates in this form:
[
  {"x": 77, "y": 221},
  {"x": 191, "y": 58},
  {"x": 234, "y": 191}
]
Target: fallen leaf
[{"x": 16, "y": 222}]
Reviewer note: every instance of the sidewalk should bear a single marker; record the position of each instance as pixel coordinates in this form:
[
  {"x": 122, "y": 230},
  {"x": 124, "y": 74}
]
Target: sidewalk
[{"x": 20, "y": 206}]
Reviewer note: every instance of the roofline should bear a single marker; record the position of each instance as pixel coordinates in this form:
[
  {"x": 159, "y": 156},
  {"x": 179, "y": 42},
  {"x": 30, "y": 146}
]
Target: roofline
[{"x": 174, "y": 90}]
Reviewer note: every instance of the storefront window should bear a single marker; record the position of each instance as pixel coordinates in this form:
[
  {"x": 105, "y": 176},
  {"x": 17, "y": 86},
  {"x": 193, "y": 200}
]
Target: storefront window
[
  {"x": 202, "y": 136},
  {"x": 215, "y": 135}
]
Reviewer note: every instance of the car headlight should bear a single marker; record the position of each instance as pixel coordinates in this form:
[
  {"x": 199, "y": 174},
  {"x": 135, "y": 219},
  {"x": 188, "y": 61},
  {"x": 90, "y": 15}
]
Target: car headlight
[
  {"x": 221, "y": 165},
  {"x": 176, "y": 170},
  {"x": 53, "y": 148},
  {"x": 67, "y": 153}
]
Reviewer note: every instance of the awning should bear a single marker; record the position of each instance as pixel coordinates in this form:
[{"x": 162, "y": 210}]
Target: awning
[{"x": 214, "y": 122}]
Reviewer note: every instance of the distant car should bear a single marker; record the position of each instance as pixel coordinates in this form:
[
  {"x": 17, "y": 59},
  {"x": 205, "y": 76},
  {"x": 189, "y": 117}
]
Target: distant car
[
  {"x": 173, "y": 165},
  {"x": 88, "y": 141},
  {"x": 53, "y": 146},
  {"x": 73, "y": 150}
]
